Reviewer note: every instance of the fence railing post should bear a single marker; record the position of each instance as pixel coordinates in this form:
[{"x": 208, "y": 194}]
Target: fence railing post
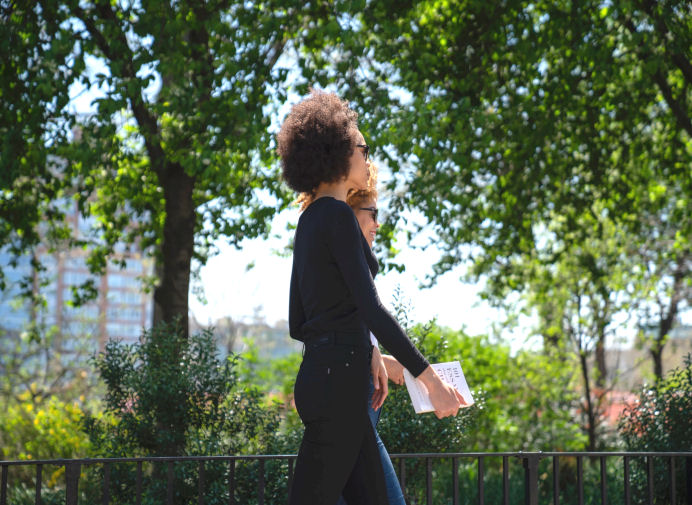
[
  {"x": 650, "y": 480},
  {"x": 530, "y": 478},
  {"x": 673, "y": 483},
  {"x": 37, "y": 495},
  {"x": 231, "y": 482},
  {"x": 604, "y": 484},
  {"x": 169, "y": 483},
  {"x": 290, "y": 476},
  {"x": 688, "y": 478},
  {"x": 138, "y": 485},
  {"x": 428, "y": 482},
  {"x": 200, "y": 482},
  {"x": 580, "y": 480},
  {"x": 106, "y": 484},
  {"x": 260, "y": 491},
  {"x": 556, "y": 480},
  {"x": 72, "y": 471},
  {"x": 402, "y": 475},
  {"x": 481, "y": 477},
  {"x": 626, "y": 479},
  {"x": 455, "y": 481},
  {"x": 3, "y": 486},
  {"x": 505, "y": 480}
]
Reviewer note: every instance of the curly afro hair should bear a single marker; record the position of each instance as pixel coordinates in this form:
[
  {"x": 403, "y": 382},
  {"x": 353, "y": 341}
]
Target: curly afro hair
[{"x": 316, "y": 140}]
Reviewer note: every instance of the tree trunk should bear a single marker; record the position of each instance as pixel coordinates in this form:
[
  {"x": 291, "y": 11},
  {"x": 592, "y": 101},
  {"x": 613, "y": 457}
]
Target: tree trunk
[
  {"x": 656, "y": 352},
  {"x": 590, "y": 414},
  {"x": 601, "y": 370},
  {"x": 668, "y": 316},
  {"x": 157, "y": 313},
  {"x": 171, "y": 295}
]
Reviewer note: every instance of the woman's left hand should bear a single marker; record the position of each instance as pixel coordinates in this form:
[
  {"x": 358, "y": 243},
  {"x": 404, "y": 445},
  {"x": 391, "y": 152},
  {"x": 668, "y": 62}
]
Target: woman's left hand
[
  {"x": 395, "y": 370},
  {"x": 379, "y": 378}
]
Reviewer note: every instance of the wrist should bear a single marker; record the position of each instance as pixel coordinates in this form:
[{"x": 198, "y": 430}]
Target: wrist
[{"x": 430, "y": 378}]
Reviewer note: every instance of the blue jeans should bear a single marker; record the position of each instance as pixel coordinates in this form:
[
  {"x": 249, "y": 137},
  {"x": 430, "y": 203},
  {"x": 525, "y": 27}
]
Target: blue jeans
[{"x": 394, "y": 494}]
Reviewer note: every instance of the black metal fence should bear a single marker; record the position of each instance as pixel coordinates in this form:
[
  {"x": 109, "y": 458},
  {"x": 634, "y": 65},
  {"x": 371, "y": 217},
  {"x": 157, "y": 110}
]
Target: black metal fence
[{"x": 648, "y": 465}]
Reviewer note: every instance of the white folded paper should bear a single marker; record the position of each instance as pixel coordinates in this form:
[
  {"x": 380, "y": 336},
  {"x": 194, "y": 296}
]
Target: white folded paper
[{"x": 449, "y": 372}]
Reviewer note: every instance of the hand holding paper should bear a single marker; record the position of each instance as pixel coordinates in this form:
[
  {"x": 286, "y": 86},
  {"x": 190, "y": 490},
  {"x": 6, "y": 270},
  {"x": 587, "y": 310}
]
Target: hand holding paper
[{"x": 449, "y": 372}]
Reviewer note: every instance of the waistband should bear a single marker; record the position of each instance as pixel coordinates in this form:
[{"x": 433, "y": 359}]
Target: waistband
[{"x": 353, "y": 339}]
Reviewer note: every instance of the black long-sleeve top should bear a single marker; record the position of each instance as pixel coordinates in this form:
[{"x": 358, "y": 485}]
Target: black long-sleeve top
[{"x": 332, "y": 286}]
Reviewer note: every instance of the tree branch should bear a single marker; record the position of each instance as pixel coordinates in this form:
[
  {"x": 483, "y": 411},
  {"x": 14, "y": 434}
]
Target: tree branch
[
  {"x": 679, "y": 59},
  {"x": 678, "y": 110},
  {"x": 660, "y": 79},
  {"x": 146, "y": 121},
  {"x": 676, "y": 297}
]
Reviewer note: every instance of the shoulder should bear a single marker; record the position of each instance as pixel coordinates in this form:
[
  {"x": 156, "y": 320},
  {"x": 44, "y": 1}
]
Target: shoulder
[
  {"x": 336, "y": 207},
  {"x": 328, "y": 216}
]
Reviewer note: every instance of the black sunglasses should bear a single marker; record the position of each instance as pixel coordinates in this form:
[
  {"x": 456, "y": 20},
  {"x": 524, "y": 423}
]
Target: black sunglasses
[
  {"x": 366, "y": 150},
  {"x": 373, "y": 211}
]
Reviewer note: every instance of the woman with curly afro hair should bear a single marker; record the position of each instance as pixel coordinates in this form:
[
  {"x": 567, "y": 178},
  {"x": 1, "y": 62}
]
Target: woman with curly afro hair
[{"x": 333, "y": 306}]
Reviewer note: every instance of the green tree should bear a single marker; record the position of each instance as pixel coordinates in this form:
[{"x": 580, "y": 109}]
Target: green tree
[
  {"x": 515, "y": 128},
  {"x": 177, "y": 151},
  {"x": 662, "y": 271},
  {"x": 47, "y": 429},
  {"x": 34, "y": 91},
  {"x": 157, "y": 401},
  {"x": 496, "y": 117}
]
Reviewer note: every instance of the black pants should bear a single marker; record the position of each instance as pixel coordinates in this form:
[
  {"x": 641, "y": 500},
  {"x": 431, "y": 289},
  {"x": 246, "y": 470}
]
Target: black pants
[{"x": 338, "y": 454}]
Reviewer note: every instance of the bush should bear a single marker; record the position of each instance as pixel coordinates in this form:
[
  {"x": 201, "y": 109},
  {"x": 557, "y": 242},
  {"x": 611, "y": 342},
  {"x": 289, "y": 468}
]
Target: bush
[
  {"x": 660, "y": 421},
  {"x": 524, "y": 402},
  {"x": 171, "y": 396},
  {"x": 528, "y": 399},
  {"x": 33, "y": 428}
]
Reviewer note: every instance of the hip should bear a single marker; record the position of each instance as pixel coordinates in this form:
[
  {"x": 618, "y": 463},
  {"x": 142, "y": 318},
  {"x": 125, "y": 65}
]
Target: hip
[{"x": 332, "y": 381}]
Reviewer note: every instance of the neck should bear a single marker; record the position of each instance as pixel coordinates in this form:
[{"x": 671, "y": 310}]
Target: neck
[{"x": 338, "y": 190}]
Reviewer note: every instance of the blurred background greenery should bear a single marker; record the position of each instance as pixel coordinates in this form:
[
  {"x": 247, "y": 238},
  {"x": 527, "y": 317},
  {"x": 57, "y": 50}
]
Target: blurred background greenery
[{"x": 545, "y": 147}]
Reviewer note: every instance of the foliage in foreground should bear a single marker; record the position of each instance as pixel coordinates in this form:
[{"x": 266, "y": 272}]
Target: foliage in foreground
[
  {"x": 660, "y": 421},
  {"x": 172, "y": 396},
  {"x": 167, "y": 395}
]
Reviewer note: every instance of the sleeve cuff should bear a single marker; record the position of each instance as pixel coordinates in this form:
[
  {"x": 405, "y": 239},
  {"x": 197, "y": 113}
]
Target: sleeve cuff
[{"x": 422, "y": 367}]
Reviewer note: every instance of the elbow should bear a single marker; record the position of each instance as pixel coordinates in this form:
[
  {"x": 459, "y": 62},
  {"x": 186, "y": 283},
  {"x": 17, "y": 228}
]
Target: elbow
[{"x": 372, "y": 315}]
